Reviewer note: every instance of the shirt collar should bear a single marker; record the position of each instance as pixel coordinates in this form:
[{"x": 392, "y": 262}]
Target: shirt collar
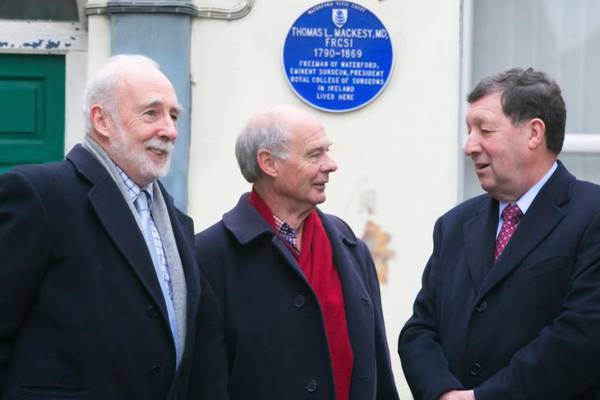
[
  {"x": 525, "y": 201},
  {"x": 286, "y": 232},
  {"x": 133, "y": 190}
]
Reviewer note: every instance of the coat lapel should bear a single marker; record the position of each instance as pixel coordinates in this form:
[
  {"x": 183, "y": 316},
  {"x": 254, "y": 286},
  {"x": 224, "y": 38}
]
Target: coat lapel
[
  {"x": 357, "y": 301},
  {"x": 118, "y": 222},
  {"x": 479, "y": 241},
  {"x": 539, "y": 221}
]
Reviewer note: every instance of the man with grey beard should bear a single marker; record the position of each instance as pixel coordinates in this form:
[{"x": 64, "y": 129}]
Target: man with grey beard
[{"x": 99, "y": 294}]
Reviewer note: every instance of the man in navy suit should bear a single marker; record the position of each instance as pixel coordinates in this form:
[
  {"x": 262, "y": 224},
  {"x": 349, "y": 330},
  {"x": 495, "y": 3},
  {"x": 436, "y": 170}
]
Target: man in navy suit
[
  {"x": 510, "y": 302},
  {"x": 99, "y": 294}
]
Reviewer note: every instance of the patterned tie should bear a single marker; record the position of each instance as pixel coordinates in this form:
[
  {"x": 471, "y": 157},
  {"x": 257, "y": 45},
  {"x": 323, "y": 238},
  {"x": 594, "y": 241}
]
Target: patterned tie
[
  {"x": 511, "y": 216},
  {"x": 153, "y": 238}
]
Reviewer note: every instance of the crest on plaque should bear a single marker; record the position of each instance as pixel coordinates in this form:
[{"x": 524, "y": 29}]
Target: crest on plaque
[{"x": 339, "y": 16}]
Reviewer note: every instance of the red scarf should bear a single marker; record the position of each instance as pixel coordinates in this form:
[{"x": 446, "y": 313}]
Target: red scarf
[{"x": 316, "y": 261}]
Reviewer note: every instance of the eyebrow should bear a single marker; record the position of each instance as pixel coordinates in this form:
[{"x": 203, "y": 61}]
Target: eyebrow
[
  {"x": 479, "y": 119},
  {"x": 323, "y": 146},
  {"x": 156, "y": 103}
]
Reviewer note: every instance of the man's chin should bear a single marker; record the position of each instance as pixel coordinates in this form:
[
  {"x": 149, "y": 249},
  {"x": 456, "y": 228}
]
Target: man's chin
[{"x": 154, "y": 171}]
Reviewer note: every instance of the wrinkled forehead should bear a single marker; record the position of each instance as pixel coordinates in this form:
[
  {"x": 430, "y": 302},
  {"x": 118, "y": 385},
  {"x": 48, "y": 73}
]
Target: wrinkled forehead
[
  {"x": 149, "y": 87},
  {"x": 309, "y": 137},
  {"x": 485, "y": 110}
]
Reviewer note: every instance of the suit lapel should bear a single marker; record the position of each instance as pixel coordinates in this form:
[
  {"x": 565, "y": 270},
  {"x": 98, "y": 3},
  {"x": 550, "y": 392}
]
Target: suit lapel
[
  {"x": 539, "y": 221},
  {"x": 118, "y": 222},
  {"x": 479, "y": 241}
]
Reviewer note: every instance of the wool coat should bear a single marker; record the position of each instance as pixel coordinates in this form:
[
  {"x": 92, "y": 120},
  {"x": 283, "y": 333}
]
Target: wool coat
[
  {"x": 82, "y": 315},
  {"x": 525, "y": 327},
  {"x": 274, "y": 330}
]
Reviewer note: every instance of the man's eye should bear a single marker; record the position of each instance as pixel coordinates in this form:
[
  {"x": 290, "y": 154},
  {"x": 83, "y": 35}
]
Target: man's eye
[
  {"x": 174, "y": 117},
  {"x": 150, "y": 112}
]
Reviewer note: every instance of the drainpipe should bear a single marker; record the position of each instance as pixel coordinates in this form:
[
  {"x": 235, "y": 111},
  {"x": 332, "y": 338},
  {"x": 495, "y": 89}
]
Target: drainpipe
[{"x": 136, "y": 28}]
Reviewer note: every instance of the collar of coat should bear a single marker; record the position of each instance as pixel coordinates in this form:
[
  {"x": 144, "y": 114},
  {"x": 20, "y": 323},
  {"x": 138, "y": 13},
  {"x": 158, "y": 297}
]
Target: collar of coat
[{"x": 246, "y": 224}]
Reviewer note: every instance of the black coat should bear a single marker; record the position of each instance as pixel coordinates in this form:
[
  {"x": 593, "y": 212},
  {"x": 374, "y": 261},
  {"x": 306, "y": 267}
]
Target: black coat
[
  {"x": 276, "y": 340},
  {"x": 527, "y": 327},
  {"x": 82, "y": 313}
]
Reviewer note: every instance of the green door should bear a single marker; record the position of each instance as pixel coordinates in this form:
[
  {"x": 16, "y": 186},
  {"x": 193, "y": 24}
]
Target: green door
[{"x": 32, "y": 109}]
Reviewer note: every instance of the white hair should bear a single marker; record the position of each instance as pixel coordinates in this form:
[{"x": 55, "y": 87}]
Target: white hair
[{"x": 101, "y": 89}]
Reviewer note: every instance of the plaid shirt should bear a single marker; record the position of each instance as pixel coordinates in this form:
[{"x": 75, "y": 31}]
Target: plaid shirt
[{"x": 287, "y": 233}]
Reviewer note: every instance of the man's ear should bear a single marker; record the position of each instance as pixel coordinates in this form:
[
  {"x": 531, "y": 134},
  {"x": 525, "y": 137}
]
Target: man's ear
[
  {"x": 101, "y": 122},
  {"x": 267, "y": 162},
  {"x": 537, "y": 133}
]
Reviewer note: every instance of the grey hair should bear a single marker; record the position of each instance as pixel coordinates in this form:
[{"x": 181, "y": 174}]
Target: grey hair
[
  {"x": 101, "y": 89},
  {"x": 252, "y": 139}
]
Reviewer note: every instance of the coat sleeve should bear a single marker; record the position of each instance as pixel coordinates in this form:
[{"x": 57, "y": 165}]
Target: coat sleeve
[
  {"x": 24, "y": 256},
  {"x": 423, "y": 361},
  {"x": 386, "y": 387},
  {"x": 562, "y": 361}
]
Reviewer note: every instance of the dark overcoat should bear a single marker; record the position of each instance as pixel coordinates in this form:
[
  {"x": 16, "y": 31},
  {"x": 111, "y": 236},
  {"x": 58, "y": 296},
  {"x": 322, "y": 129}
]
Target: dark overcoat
[
  {"x": 527, "y": 327},
  {"x": 275, "y": 335},
  {"x": 81, "y": 312}
]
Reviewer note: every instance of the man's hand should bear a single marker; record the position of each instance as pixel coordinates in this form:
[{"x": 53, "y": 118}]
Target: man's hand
[{"x": 458, "y": 395}]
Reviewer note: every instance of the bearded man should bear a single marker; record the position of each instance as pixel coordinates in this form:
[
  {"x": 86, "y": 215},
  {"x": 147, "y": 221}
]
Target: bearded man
[{"x": 100, "y": 298}]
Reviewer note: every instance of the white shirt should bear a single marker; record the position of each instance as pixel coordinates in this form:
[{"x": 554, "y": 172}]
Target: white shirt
[{"x": 525, "y": 201}]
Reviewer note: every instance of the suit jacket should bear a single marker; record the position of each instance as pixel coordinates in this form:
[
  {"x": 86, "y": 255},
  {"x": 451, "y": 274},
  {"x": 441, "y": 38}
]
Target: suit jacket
[
  {"x": 82, "y": 313},
  {"x": 276, "y": 341},
  {"x": 527, "y": 327}
]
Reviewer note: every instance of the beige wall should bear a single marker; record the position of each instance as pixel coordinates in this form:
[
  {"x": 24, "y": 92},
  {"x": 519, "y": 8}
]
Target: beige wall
[{"x": 398, "y": 154}]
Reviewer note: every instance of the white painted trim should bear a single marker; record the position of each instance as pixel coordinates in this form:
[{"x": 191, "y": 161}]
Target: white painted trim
[
  {"x": 582, "y": 143},
  {"x": 75, "y": 73},
  {"x": 42, "y": 36},
  {"x": 466, "y": 46}
]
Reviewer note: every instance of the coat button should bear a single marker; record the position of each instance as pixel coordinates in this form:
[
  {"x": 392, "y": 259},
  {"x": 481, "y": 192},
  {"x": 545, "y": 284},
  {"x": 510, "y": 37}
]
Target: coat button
[
  {"x": 151, "y": 311},
  {"x": 299, "y": 301},
  {"x": 311, "y": 386},
  {"x": 155, "y": 370},
  {"x": 475, "y": 369},
  {"x": 482, "y": 306}
]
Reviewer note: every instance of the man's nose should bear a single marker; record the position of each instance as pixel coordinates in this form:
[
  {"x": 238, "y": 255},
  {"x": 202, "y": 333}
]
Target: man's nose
[
  {"x": 168, "y": 129},
  {"x": 472, "y": 146},
  {"x": 329, "y": 165}
]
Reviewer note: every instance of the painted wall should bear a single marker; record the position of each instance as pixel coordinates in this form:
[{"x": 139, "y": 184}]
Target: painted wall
[{"x": 397, "y": 156}]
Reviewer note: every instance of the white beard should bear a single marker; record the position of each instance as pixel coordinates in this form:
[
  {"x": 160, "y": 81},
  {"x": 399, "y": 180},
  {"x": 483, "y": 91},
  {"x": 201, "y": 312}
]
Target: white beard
[{"x": 149, "y": 169}]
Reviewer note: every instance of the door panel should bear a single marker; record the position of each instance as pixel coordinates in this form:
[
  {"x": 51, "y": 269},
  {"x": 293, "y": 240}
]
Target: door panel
[{"x": 32, "y": 109}]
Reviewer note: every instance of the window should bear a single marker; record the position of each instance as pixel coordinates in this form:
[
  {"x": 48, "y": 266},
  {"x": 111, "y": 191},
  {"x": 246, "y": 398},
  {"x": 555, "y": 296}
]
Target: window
[{"x": 560, "y": 37}]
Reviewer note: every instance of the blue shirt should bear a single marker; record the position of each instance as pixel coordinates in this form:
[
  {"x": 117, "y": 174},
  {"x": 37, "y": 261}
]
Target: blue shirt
[{"x": 525, "y": 201}]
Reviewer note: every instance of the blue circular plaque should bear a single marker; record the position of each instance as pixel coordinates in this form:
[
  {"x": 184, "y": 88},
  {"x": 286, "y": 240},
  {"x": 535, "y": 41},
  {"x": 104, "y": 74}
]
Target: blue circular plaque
[{"x": 337, "y": 56}]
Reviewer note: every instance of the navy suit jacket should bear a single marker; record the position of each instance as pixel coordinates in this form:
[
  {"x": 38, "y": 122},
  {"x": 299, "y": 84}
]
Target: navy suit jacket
[
  {"x": 527, "y": 327},
  {"x": 276, "y": 341},
  {"x": 82, "y": 313}
]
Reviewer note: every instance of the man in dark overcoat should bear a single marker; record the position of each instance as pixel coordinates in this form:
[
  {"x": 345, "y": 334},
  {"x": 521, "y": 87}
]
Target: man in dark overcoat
[
  {"x": 299, "y": 291},
  {"x": 100, "y": 296},
  {"x": 510, "y": 303}
]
